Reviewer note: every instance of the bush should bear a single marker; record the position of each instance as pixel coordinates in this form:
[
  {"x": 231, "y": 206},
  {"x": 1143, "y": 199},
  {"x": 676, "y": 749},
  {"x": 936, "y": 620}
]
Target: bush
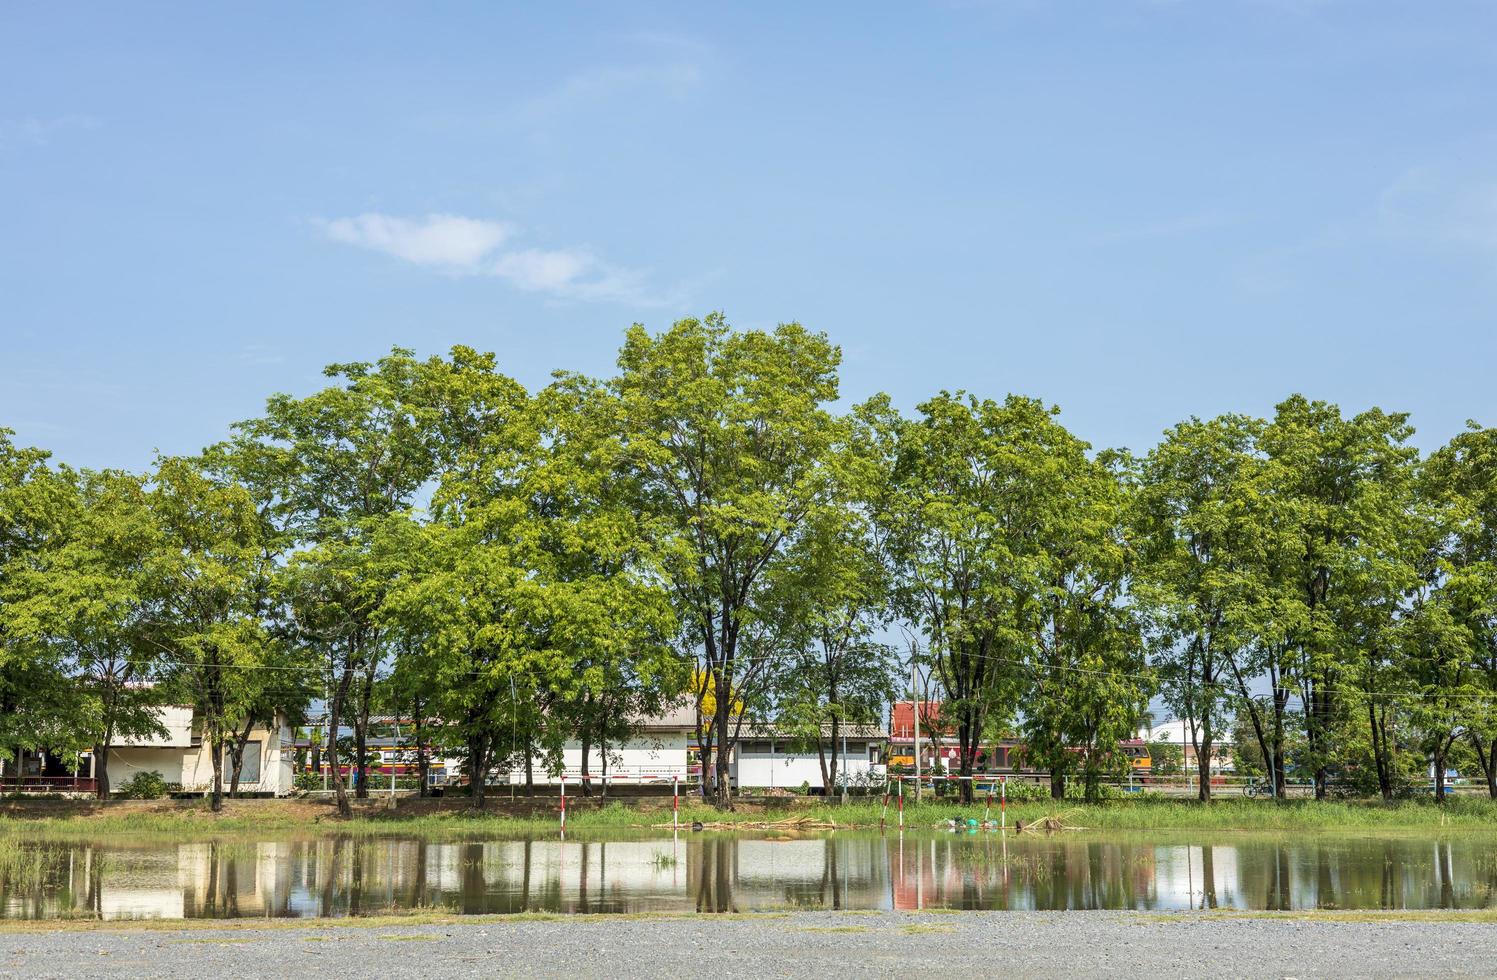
[{"x": 144, "y": 785}]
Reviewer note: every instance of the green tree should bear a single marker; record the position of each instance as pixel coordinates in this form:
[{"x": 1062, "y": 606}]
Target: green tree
[
  {"x": 1345, "y": 485},
  {"x": 1005, "y": 539},
  {"x": 345, "y": 461},
  {"x": 725, "y": 434},
  {"x": 204, "y": 577},
  {"x": 1199, "y": 576},
  {"x": 90, "y": 603},
  {"x": 1461, "y": 478},
  {"x": 835, "y": 590},
  {"x": 38, "y": 506},
  {"x": 1088, "y": 684}
]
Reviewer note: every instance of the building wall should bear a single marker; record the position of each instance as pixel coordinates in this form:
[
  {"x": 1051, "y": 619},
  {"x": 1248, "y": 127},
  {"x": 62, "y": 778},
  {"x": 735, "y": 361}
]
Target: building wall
[
  {"x": 650, "y": 757},
  {"x": 192, "y": 766},
  {"x": 757, "y": 767}
]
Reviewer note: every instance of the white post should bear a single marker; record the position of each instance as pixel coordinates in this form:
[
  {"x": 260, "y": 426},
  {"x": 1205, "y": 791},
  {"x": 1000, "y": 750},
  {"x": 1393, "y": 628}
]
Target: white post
[{"x": 675, "y": 805}]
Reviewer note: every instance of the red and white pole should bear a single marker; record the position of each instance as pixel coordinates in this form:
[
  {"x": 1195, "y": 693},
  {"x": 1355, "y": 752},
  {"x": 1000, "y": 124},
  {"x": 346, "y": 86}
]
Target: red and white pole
[
  {"x": 563, "y": 804},
  {"x": 901, "y": 804},
  {"x": 675, "y": 804},
  {"x": 1003, "y": 803},
  {"x": 987, "y": 808}
]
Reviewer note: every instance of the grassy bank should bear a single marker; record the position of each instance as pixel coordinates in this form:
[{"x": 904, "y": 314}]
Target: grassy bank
[{"x": 451, "y": 818}]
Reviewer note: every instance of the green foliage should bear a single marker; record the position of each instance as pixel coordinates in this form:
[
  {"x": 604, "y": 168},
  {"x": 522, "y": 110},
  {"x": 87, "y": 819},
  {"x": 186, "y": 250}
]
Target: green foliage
[
  {"x": 510, "y": 570},
  {"x": 146, "y": 784},
  {"x": 1166, "y": 758}
]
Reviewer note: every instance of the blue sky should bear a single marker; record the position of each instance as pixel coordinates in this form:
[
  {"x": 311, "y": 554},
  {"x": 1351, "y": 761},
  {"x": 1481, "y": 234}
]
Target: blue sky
[{"x": 1137, "y": 210}]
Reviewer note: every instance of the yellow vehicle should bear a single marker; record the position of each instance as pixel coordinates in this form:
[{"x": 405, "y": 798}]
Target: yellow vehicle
[{"x": 1137, "y": 751}]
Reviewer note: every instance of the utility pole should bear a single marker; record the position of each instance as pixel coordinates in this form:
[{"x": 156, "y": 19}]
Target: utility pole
[{"x": 915, "y": 693}]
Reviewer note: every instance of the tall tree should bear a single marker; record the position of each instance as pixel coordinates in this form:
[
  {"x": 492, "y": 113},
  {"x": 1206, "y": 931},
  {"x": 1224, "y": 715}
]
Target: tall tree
[
  {"x": 90, "y": 600},
  {"x": 1345, "y": 484},
  {"x": 208, "y": 619},
  {"x": 834, "y": 587},
  {"x": 1201, "y": 532},
  {"x": 967, "y": 524},
  {"x": 1088, "y": 683},
  {"x": 1461, "y": 478},
  {"x": 349, "y": 459},
  {"x": 38, "y": 507},
  {"x": 726, "y": 435}
]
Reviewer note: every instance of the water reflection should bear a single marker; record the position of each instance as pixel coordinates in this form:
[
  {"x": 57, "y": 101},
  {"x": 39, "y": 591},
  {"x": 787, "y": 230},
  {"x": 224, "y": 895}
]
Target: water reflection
[{"x": 717, "y": 873}]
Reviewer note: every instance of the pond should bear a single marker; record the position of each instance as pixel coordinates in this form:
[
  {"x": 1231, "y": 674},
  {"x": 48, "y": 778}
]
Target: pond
[{"x": 727, "y": 872}]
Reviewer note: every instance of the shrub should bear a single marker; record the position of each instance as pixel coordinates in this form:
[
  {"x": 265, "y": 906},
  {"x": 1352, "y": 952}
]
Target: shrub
[{"x": 144, "y": 785}]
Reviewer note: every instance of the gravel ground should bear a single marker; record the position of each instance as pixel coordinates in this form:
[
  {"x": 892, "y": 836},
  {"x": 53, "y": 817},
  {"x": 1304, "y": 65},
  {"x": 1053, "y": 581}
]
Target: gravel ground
[{"x": 803, "y": 944}]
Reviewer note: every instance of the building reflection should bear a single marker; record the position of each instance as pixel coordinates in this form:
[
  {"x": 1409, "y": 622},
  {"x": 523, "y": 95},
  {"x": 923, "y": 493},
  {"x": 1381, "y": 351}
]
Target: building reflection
[{"x": 712, "y": 873}]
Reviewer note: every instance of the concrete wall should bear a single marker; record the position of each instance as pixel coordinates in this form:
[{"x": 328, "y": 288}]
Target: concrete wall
[
  {"x": 192, "y": 766},
  {"x": 650, "y": 757},
  {"x": 757, "y": 766}
]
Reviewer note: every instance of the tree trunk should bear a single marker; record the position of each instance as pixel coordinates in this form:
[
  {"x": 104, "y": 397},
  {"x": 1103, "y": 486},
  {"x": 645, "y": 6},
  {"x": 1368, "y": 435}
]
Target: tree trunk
[
  {"x": 1280, "y": 765},
  {"x": 1441, "y": 747},
  {"x": 236, "y": 753},
  {"x": 723, "y": 787},
  {"x": 101, "y": 769},
  {"x": 587, "y": 749},
  {"x": 335, "y": 711},
  {"x": 1486, "y": 756},
  {"x": 478, "y": 771},
  {"x": 966, "y": 738},
  {"x": 423, "y": 758},
  {"x": 1381, "y": 746},
  {"x": 529, "y": 770},
  {"x": 361, "y": 734},
  {"x": 216, "y": 751},
  {"x": 1203, "y": 769},
  {"x": 1057, "y": 784}
]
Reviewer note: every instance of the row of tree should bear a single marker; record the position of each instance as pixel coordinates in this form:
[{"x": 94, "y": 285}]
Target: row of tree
[{"x": 512, "y": 569}]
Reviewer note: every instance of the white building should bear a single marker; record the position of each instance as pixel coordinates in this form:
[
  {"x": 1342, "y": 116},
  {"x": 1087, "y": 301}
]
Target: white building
[
  {"x": 657, "y": 752},
  {"x": 182, "y": 757},
  {"x": 769, "y": 758},
  {"x": 1177, "y": 731}
]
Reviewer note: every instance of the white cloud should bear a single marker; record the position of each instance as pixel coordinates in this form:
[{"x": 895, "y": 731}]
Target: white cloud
[
  {"x": 32, "y": 131},
  {"x": 601, "y": 86},
  {"x": 471, "y": 246},
  {"x": 444, "y": 240}
]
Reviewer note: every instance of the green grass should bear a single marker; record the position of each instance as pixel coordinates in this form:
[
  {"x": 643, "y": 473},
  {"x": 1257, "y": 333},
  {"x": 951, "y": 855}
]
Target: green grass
[{"x": 268, "y": 818}]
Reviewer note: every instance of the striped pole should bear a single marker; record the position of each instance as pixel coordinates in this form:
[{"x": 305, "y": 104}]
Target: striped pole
[
  {"x": 675, "y": 805},
  {"x": 901, "y": 804},
  {"x": 563, "y": 804},
  {"x": 1003, "y": 803},
  {"x": 987, "y": 808}
]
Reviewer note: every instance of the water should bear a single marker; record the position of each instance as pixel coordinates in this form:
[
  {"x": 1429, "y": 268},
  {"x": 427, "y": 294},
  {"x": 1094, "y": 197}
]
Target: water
[{"x": 715, "y": 873}]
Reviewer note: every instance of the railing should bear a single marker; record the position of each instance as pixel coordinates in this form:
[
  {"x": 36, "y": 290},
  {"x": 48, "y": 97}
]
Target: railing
[{"x": 48, "y": 784}]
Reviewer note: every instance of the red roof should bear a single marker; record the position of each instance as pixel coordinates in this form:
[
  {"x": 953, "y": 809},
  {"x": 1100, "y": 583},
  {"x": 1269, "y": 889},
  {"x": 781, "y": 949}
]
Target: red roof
[{"x": 902, "y": 720}]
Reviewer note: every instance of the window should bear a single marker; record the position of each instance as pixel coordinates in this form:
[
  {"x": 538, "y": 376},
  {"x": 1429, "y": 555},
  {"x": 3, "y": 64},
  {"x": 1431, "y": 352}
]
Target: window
[{"x": 250, "y": 771}]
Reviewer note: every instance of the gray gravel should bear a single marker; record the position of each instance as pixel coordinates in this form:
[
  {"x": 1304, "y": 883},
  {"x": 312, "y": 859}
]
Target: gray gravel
[{"x": 803, "y": 944}]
